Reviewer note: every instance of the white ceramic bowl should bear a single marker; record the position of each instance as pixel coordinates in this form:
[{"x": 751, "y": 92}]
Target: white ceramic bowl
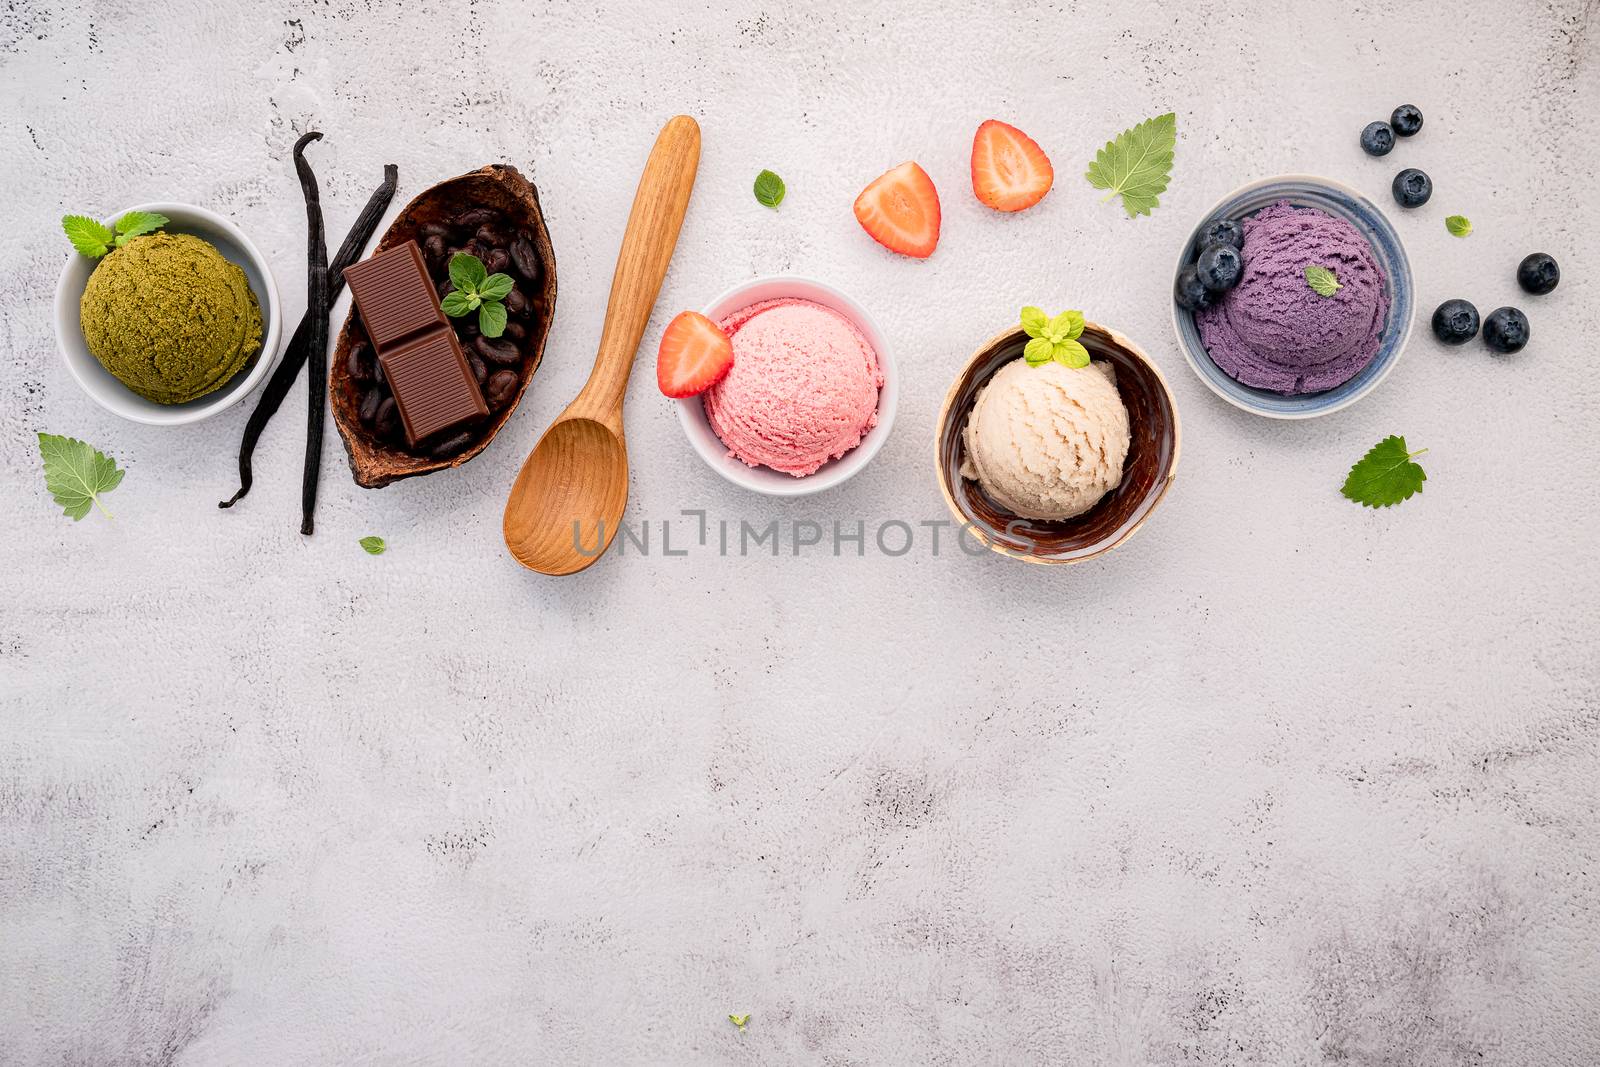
[
  {"x": 117, "y": 398},
  {"x": 692, "y": 413}
]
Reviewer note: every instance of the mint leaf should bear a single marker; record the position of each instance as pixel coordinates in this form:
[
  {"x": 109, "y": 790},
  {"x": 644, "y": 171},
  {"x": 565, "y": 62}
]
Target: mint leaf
[
  {"x": 769, "y": 189},
  {"x": 1137, "y": 164},
  {"x": 455, "y": 304},
  {"x": 1458, "y": 225},
  {"x": 77, "y": 474},
  {"x": 1034, "y": 321},
  {"x": 137, "y": 223},
  {"x": 1070, "y": 353},
  {"x": 1038, "y": 351},
  {"x": 1386, "y": 475},
  {"x": 467, "y": 272},
  {"x": 496, "y": 286},
  {"x": 89, "y": 236},
  {"x": 373, "y": 546},
  {"x": 1322, "y": 281},
  {"x": 1066, "y": 326},
  {"x": 739, "y": 1021},
  {"x": 492, "y": 318}
]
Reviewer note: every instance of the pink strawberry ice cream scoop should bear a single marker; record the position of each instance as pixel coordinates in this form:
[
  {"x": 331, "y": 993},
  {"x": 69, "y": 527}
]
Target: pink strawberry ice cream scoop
[
  {"x": 1273, "y": 331},
  {"x": 803, "y": 388}
]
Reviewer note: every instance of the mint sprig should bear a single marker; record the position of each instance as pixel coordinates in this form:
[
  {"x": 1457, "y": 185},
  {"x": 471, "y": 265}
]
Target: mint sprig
[
  {"x": 1458, "y": 225},
  {"x": 1053, "y": 339},
  {"x": 373, "y": 545},
  {"x": 93, "y": 238},
  {"x": 477, "y": 290}
]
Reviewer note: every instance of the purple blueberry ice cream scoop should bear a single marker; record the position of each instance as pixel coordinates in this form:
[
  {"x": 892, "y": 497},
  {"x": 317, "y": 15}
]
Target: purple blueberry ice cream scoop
[{"x": 1272, "y": 330}]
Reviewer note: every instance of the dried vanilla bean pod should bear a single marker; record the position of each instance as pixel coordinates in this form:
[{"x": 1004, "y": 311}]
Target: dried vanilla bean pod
[
  {"x": 294, "y": 356},
  {"x": 317, "y": 341}
]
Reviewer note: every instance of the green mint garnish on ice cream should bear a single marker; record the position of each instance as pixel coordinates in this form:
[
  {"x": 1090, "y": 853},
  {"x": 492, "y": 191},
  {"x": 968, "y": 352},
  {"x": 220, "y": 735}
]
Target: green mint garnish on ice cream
[
  {"x": 1386, "y": 475},
  {"x": 94, "y": 239},
  {"x": 477, "y": 290},
  {"x": 1458, "y": 225},
  {"x": 739, "y": 1021},
  {"x": 1053, "y": 339},
  {"x": 769, "y": 189},
  {"x": 1322, "y": 281},
  {"x": 373, "y": 545},
  {"x": 1137, "y": 164},
  {"x": 77, "y": 474}
]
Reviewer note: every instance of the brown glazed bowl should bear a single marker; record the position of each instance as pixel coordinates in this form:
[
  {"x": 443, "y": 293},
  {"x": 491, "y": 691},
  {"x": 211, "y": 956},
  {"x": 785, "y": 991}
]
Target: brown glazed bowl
[
  {"x": 374, "y": 461},
  {"x": 1146, "y": 476}
]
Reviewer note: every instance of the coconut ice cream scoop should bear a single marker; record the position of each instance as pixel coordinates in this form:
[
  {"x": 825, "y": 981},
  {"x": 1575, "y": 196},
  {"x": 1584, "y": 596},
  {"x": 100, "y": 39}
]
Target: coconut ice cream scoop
[
  {"x": 1047, "y": 442},
  {"x": 170, "y": 317}
]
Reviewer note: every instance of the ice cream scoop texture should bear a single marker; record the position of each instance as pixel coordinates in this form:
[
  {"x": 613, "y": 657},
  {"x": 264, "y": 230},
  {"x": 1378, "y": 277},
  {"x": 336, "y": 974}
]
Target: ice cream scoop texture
[
  {"x": 1047, "y": 442},
  {"x": 170, "y": 317},
  {"x": 1273, "y": 330},
  {"x": 803, "y": 388}
]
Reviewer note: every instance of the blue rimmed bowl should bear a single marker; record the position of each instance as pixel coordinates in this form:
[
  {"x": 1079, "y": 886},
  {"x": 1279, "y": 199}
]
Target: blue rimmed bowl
[{"x": 1305, "y": 190}]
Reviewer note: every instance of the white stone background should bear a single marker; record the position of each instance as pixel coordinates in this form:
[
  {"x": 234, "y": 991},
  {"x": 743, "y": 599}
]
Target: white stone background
[{"x": 1281, "y": 781}]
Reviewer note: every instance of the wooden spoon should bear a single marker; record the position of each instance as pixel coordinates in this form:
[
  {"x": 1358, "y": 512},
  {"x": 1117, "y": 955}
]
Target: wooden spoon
[{"x": 570, "y": 494}]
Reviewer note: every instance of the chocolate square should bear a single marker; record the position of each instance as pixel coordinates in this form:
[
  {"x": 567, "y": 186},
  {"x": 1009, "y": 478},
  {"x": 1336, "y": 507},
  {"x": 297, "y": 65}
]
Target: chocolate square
[
  {"x": 432, "y": 383},
  {"x": 394, "y": 294}
]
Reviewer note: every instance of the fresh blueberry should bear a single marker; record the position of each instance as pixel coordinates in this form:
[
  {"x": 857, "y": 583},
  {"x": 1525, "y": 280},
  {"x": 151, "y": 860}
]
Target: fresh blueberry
[
  {"x": 1222, "y": 232},
  {"x": 1412, "y": 188},
  {"x": 1538, "y": 273},
  {"x": 1455, "y": 322},
  {"x": 1377, "y": 139},
  {"x": 1188, "y": 292},
  {"x": 1219, "y": 267},
  {"x": 1406, "y": 120},
  {"x": 1505, "y": 330}
]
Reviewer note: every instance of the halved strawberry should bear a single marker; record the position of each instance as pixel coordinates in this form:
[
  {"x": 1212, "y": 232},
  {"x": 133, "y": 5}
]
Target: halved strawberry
[
  {"x": 1009, "y": 170},
  {"x": 900, "y": 211},
  {"x": 694, "y": 355}
]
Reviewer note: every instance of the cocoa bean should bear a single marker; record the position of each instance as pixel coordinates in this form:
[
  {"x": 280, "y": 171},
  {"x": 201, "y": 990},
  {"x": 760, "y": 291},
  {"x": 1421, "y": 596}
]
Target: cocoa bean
[
  {"x": 451, "y": 445},
  {"x": 358, "y": 364},
  {"x": 369, "y": 406},
  {"x": 524, "y": 258},
  {"x": 497, "y": 350},
  {"x": 472, "y": 218},
  {"x": 500, "y": 388}
]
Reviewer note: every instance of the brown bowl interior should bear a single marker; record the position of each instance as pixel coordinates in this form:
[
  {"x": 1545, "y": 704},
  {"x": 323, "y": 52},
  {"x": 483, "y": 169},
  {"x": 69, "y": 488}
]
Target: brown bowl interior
[
  {"x": 1152, "y": 457},
  {"x": 373, "y": 461}
]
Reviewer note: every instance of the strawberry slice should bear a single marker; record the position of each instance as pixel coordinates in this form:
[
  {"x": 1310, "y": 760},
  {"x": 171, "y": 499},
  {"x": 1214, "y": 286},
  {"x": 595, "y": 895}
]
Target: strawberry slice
[
  {"x": 694, "y": 355},
  {"x": 1009, "y": 169},
  {"x": 900, "y": 211}
]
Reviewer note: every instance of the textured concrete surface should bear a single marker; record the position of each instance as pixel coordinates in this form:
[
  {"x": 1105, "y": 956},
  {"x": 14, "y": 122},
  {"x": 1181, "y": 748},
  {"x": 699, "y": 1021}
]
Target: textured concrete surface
[{"x": 1282, "y": 781}]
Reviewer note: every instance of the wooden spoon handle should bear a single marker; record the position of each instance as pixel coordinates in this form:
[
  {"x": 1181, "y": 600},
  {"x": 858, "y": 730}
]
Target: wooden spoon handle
[{"x": 658, "y": 209}]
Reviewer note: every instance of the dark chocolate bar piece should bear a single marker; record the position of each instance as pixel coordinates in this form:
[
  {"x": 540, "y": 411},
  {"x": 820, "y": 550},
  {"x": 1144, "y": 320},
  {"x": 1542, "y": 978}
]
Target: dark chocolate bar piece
[
  {"x": 432, "y": 383},
  {"x": 394, "y": 295}
]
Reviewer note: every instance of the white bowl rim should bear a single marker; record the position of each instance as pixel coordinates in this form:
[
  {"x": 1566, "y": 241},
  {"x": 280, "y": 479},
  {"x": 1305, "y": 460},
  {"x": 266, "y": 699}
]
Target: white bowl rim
[
  {"x": 691, "y": 410},
  {"x": 184, "y": 415},
  {"x": 1189, "y": 356}
]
